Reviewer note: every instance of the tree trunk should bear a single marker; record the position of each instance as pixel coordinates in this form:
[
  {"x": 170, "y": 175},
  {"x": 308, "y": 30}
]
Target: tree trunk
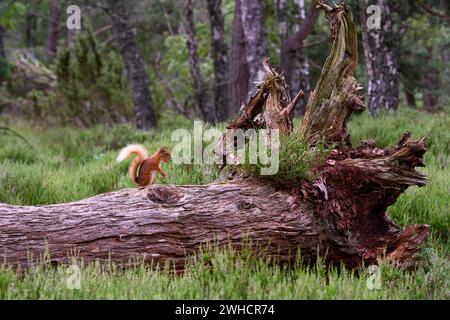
[
  {"x": 219, "y": 55},
  {"x": 53, "y": 29},
  {"x": 294, "y": 62},
  {"x": 335, "y": 95},
  {"x": 339, "y": 216},
  {"x": 4, "y": 67},
  {"x": 139, "y": 82},
  {"x": 380, "y": 59},
  {"x": 238, "y": 66},
  {"x": 281, "y": 10},
  {"x": 257, "y": 48},
  {"x": 300, "y": 78},
  {"x": 2, "y": 43},
  {"x": 410, "y": 99},
  {"x": 197, "y": 79},
  {"x": 30, "y": 32},
  {"x": 430, "y": 84}
]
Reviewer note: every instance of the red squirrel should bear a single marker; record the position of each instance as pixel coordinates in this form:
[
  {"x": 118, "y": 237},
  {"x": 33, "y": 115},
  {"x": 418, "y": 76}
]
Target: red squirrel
[{"x": 143, "y": 168}]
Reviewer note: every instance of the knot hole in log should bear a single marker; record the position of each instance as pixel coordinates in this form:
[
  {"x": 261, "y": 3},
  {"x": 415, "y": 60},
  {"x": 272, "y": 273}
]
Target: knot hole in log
[
  {"x": 244, "y": 205},
  {"x": 164, "y": 194}
]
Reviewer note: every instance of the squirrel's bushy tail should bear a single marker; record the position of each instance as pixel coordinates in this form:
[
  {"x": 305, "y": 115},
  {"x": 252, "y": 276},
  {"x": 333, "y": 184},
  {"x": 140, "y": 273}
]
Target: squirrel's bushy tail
[{"x": 141, "y": 154}]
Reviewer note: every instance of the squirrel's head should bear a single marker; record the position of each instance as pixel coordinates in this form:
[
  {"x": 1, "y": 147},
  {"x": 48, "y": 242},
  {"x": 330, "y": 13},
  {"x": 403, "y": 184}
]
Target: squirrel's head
[{"x": 165, "y": 154}]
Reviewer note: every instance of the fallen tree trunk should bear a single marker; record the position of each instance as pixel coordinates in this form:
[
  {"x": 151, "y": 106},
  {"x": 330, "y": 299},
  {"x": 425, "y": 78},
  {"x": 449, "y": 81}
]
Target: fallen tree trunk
[{"x": 340, "y": 216}]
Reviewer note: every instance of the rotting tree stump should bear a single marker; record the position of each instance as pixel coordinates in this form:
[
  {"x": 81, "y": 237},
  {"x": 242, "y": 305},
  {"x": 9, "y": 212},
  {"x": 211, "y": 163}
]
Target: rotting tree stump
[{"x": 341, "y": 216}]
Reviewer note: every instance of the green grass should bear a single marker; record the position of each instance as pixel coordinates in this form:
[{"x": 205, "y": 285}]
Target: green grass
[
  {"x": 229, "y": 276},
  {"x": 67, "y": 164}
]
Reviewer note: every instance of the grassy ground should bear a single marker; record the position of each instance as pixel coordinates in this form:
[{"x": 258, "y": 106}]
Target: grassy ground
[{"x": 63, "y": 164}]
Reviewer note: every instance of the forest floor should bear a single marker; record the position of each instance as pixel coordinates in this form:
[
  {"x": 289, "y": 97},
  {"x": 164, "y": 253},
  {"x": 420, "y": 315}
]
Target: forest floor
[{"x": 67, "y": 164}]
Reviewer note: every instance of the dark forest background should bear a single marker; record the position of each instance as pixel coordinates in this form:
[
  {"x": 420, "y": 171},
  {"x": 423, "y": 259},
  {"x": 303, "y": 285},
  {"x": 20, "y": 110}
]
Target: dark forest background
[{"x": 142, "y": 61}]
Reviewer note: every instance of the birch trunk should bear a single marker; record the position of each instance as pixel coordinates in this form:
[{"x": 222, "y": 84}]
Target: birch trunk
[{"x": 382, "y": 69}]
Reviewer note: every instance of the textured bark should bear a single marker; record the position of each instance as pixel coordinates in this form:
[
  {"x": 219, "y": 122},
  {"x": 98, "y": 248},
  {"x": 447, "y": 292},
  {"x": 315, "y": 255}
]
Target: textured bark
[
  {"x": 381, "y": 64},
  {"x": 279, "y": 110},
  {"x": 219, "y": 51},
  {"x": 53, "y": 28},
  {"x": 139, "y": 82},
  {"x": 257, "y": 48},
  {"x": 238, "y": 66},
  {"x": 271, "y": 98},
  {"x": 335, "y": 95},
  {"x": 198, "y": 83}
]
